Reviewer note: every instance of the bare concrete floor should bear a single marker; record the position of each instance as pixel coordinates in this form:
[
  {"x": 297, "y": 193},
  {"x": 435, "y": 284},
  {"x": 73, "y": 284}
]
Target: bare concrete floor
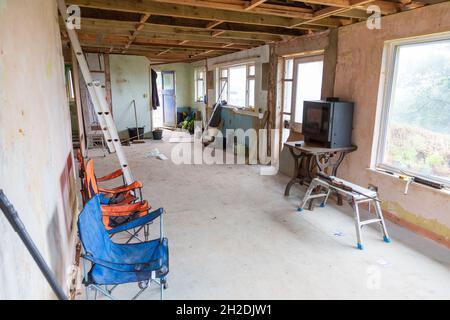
[{"x": 233, "y": 235}]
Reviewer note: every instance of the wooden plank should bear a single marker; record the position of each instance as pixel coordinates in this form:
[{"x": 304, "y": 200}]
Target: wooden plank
[
  {"x": 80, "y": 118},
  {"x": 168, "y": 9},
  {"x": 189, "y": 32},
  {"x": 214, "y": 24},
  {"x": 253, "y": 4},
  {"x": 108, "y": 81},
  {"x": 330, "y": 11},
  {"x": 385, "y": 6}
]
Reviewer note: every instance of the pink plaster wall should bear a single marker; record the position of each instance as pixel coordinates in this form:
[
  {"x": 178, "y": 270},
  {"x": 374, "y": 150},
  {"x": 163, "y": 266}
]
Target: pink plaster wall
[{"x": 357, "y": 79}]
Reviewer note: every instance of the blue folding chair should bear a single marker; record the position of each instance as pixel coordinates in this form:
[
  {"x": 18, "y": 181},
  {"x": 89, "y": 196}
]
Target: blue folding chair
[{"x": 115, "y": 264}]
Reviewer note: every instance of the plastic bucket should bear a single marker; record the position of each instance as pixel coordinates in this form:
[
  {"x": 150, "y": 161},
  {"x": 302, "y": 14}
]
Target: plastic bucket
[
  {"x": 133, "y": 133},
  {"x": 157, "y": 134}
]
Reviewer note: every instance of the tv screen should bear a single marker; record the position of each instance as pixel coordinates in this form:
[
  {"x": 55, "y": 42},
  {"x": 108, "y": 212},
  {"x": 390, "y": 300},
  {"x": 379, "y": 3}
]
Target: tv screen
[{"x": 314, "y": 120}]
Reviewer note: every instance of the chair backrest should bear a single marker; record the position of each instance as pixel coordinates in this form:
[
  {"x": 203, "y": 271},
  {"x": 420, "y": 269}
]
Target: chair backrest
[
  {"x": 93, "y": 234},
  {"x": 91, "y": 180}
]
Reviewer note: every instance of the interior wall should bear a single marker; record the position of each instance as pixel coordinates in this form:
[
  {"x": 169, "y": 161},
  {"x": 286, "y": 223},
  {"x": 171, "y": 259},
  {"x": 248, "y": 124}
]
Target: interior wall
[
  {"x": 36, "y": 159},
  {"x": 360, "y": 51},
  {"x": 325, "y": 42},
  {"x": 130, "y": 80}
]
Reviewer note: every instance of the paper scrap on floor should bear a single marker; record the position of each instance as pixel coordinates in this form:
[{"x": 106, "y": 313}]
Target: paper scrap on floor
[{"x": 157, "y": 154}]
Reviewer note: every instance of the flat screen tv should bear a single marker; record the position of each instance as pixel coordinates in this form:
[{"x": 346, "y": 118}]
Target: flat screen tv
[{"x": 328, "y": 122}]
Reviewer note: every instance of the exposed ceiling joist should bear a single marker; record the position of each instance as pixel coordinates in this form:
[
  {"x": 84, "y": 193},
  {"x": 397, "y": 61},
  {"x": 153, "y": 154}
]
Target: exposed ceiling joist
[
  {"x": 190, "y": 30},
  {"x": 196, "y": 12},
  {"x": 183, "y": 33}
]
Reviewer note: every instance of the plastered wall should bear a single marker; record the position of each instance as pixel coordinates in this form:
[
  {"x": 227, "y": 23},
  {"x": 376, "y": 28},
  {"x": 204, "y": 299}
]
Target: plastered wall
[
  {"x": 130, "y": 80},
  {"x": 324, "y": 43},
  {"x": 36, "y": 160},
  {"x": 360, "y": 50}
]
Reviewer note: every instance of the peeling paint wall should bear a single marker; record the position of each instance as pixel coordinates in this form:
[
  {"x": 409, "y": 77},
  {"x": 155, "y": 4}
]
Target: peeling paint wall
[
  {"x": 130, "y": 80},
  {"x": 36, "y": 160},
  {"x": 357, "y": 79}
]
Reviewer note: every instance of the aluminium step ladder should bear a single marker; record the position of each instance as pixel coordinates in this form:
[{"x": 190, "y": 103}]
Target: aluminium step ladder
[
  {"x": 357, "y": 196},
  {"x": 98, "y": 98}
]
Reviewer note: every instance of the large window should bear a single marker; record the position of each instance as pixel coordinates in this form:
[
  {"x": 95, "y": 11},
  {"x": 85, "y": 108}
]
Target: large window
[
  {"x": 415, "y": 130},
  {"x": 238, "y": 84},
  {"x": 200, "y": 88},
  {"x": 302, "y": 81}
]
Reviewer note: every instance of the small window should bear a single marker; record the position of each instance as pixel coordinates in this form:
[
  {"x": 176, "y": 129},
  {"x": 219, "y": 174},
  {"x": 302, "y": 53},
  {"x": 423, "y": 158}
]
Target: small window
[
  {"x": 415, "y": 130},
  {"x": 200, "y": 89},
  {"x": 239, "y": 85}
]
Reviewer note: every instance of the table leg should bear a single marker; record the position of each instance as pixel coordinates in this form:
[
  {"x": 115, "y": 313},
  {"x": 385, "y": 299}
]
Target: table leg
[{"x": 298, "y": 159}]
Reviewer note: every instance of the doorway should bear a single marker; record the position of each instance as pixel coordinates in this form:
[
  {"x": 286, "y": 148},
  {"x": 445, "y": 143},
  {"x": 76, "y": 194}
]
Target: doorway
[{"x": 168, "y": 99}]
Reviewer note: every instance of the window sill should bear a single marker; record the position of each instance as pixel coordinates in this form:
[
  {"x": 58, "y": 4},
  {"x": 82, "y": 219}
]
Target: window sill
[
  {"x": 445, "y": 191},
  {"x": 243, "y": 111}
]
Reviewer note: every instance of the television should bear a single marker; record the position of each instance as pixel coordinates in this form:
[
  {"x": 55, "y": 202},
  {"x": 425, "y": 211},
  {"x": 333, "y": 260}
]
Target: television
[{"x": 329, "y": 123}]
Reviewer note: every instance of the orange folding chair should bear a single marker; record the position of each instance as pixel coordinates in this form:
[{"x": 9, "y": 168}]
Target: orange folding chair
[
  {"x": 117, "y": 218},
  {"x": 120, "y": 195}
]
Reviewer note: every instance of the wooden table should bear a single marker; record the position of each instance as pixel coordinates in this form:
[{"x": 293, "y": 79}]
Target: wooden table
[{"x": 308, "y": 156}]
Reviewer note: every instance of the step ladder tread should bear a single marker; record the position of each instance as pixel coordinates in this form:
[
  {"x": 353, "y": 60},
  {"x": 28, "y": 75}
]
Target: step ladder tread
[{"x": 370, "y": 221}]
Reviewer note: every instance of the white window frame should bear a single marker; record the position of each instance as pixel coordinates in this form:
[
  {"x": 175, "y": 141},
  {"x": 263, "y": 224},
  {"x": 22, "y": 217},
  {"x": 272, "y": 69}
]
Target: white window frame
[
  {"x": 198, "y": 94},
  {"x": 249, "y": 78},
  {"x": 388, "y": 75},
  {"x": 296, "y": 61}
]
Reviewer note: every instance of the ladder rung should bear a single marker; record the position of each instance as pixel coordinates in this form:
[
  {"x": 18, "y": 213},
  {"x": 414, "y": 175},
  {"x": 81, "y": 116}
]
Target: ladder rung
[{"x": 363, "y": 223}]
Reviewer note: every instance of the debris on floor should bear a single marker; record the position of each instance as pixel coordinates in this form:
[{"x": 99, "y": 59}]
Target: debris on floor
[
  {"x": 384, "y": 263},
  {"x": 157, "y": 154}
]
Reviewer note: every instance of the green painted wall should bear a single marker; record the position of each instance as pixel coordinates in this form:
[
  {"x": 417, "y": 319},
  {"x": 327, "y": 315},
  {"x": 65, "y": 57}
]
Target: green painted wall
[{"x": 130, "y": 80}]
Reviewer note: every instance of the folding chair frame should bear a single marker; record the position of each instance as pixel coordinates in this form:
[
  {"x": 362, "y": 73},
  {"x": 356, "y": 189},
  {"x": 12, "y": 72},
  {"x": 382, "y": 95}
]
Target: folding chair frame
[{"x": 143, "y": 285}]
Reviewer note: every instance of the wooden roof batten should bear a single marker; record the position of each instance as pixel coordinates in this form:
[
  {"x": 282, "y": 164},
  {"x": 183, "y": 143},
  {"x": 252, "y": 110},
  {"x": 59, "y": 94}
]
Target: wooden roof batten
[{"x": 189, "y": 30}]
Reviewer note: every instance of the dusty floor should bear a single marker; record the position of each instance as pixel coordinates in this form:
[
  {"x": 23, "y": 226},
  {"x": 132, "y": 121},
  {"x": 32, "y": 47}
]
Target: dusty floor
[{"x": 234, "y": 236}]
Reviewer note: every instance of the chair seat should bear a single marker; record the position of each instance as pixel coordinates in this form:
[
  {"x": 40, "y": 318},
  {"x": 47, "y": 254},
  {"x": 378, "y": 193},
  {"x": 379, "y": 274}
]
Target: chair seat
[
  {"x": 114, "y": 263},
  {"x": 137, "y": 222},
  {"x": 111, "y": 274}
]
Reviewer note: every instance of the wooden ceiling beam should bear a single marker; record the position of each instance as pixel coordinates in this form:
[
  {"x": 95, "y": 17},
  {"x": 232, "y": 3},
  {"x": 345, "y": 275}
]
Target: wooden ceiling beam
[
  {"x": 188, "y": 32},
  {"x": 181, "y": 39},
  {"x": 162, "y": 42},
  {"x": 186, "y": 11},
  {"x": 241, "y": 6},
  {"x": 385, "y": 6},
  {"x": 181, "y": 57},
  {"x": 330, "y": 11},
  {"x": 164, "y": 8}
]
